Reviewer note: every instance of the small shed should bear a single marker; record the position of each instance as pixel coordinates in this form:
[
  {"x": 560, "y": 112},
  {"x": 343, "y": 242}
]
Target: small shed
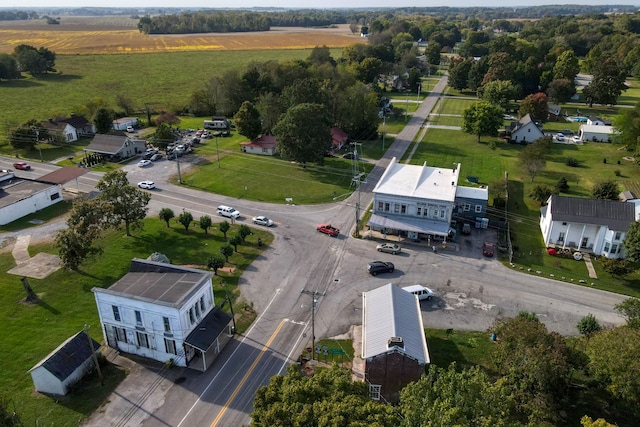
[{"x": 64, "y": 366}]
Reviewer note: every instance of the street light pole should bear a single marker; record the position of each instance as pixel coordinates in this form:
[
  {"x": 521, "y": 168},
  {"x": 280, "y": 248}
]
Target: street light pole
[
  {"x": 418, "y": 95},
  {"x": 38, "y": 143},
  {"x": 217, "y": 152},
  {"x": 313, "y": 318}
]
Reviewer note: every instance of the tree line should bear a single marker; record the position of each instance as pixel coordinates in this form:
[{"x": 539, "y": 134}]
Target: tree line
[{"x": 205, "y": 22}]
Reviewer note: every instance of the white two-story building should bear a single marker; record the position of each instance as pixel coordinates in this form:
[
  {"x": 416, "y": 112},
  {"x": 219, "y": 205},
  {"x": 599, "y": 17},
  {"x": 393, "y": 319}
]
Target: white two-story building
[
  {"x": 593, "y": 225},
  {"x": 420, "y": 201},
  {"x": 164, "y": 312}
]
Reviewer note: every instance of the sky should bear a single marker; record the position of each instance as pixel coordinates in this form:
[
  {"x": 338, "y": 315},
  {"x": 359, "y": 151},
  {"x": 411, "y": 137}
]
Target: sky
[{"x": 315, "y": 4}]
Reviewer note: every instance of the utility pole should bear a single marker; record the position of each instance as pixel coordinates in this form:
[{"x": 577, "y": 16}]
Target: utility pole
[
  {"x": 384, "y": 123},
  {"x": 418, "y": 95},
  {"x": 406, "y": 106},
  {"x": 178, "y": 163},
  {"x": 357, "y": 180},
  {"x": 93, "y": 353},
  {"x": 313, "y": 294},
  {"x": 233, "y": 317}
]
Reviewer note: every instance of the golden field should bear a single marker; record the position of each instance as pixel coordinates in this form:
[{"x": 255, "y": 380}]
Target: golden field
[{"x": 104, "y": 36}]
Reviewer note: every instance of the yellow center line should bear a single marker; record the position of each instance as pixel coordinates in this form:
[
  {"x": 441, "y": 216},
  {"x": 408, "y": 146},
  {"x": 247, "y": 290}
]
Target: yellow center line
[{"x": 246, "y": 375}]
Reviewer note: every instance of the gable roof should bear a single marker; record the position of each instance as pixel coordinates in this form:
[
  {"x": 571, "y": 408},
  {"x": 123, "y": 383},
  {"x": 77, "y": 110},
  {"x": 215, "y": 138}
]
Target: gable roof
[
  {"x": 69, "y": 355},
  {"x": 418, "y": 181},
  {"x": 52, "y": 124},
  {"x": 108, "y": 144},
  {"x": 338, "y": 136},
  {"x": 77, "y": 122},
  {"x": 158, "y": 283},
  {"x": 389, "y": 312},
  {"x": 616, "y": 215},
  {"x": 264, "y": 141}
]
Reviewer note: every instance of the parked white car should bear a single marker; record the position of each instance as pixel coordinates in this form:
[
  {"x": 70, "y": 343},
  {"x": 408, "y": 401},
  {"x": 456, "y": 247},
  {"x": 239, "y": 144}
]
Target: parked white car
[
  {"x": 143, "y": 163},
  {"x": 559, "y": 136}
]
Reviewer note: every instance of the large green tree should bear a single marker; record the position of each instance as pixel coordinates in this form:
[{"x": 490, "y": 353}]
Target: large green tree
[
  {"x": 328, "y": 398},
  {"x": 567, "y": 66},
  {"x": 448, "y": 397},
  {"x": 607, "y": 84},
  {"x": 87, "y": 219},
  {"x": 129, "y": 204},
  {"x": 482, "y": 119},
  {"x": 632, "y": 241},
  {"x": 627, "y": 127},
  {"x": 459, "y": 68},
  {"x": 247, "y": 120},
  {"x": 535, "y": 365},
  {"x": 26, "y": 135},
  {"x": 613, "y": 360},
  {"x": 103, "y": 119},
  {"x": 163, "y": 136},
  {"x": 9, "y": 69},
  {"x": 499, "y": 92},
  {"x": 303, "y": 133}
]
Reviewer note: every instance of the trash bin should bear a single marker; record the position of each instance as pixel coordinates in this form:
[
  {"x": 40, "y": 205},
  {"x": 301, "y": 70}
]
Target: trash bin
[{"x": 493, "y": 336}]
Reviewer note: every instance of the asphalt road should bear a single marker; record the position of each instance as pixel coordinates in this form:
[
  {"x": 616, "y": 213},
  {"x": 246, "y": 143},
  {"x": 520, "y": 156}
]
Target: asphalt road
[{"x": 471, "y": 292}]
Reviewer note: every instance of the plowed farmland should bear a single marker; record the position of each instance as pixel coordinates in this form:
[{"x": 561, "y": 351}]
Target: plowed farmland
[{"x": 104, "y": 38}]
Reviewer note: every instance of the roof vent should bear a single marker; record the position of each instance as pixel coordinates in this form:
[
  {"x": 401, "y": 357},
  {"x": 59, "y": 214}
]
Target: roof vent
[{"x": 395, "y": 342}]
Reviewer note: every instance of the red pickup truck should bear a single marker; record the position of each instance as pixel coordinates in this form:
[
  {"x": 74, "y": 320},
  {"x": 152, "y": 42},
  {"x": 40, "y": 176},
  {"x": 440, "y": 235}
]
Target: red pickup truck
[{"x": 328, "y": 229}]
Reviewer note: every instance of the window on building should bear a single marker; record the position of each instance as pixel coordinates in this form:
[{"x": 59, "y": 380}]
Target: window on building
[
  {"x": 170, "y": 346},
  {"x": 191, "y": 317},
  {"x": 167, "y": 325},
  {"x": 138, "y": 317},
  {"x": 386, "y": 207},
  {"x": 614, "y": 249},
  {"x": 202, "y": 306},
  {"x": 606, "y": 247},
  {"x": 380, "y": 206},
  {"x": 374, "y": 391},
  {"x": 116, "y": 313},
  {"x": 120, "y": 333},
  {"x": 618, "y": 236},
  {"x": 561, "y": 237},
  {"x": 434, "y": 213},
  {"x": 467, "y": 207},
  {"x": 419, "y": 211},
  {"x": 442, "y": 212},
  {"x": 478, "y": 208},
  {"x": 197, "y": 308},
  {"x": 55, "y": 196},
  {"x": 396, "y": 208},
  {"x": 403, "y": 209},
  {"x": 143, "y": 339}
]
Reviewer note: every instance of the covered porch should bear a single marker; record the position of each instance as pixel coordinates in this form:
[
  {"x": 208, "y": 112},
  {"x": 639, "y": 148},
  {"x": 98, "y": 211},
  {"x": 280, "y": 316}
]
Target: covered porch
[{"x": 208, "y": 340}]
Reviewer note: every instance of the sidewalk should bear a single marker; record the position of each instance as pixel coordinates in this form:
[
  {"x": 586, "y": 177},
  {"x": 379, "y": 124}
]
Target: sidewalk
[{"x": 403, "y": 241}]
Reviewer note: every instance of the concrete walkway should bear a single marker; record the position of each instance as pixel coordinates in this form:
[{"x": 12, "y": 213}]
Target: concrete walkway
[
  {"x": 589, "y": 264},
  {"x": 20, "y": 249}
]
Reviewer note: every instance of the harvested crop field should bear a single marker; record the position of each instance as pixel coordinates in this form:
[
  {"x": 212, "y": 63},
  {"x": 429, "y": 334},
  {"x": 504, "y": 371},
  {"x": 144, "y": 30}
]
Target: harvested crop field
[{"x": 119, "y": 36}]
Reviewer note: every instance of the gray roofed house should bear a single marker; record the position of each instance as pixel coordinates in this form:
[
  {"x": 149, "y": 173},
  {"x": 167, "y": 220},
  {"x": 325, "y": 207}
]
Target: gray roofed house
[
  {"x": 118, "y": 146},
  {"x": 394, "y": 346},
  {"x": 164, "y": 312},
  {"x": 64, "y": 366},
  {"x": 591, "y": 225}
]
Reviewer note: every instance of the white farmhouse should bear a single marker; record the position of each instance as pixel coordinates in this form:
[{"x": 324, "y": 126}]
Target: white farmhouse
[
  {"x": 20, "y": 197},
  {"x": 524, "y": 131},
  {"x": 593, "y": 225},
  {"x": 164, "y": 312}
]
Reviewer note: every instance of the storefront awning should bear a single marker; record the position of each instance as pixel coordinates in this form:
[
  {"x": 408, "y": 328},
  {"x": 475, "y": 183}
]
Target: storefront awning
[
  {"x": 205, "y": 334},
  {"x": 417, "y": 225}
]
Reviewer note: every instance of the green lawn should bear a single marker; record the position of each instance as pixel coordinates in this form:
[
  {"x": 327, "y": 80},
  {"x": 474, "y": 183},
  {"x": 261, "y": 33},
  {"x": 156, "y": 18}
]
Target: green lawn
[
  {"x": 271, "y": 179},
  {"x": 465, "y": 348},
  {"x": 30, "y": 332}
]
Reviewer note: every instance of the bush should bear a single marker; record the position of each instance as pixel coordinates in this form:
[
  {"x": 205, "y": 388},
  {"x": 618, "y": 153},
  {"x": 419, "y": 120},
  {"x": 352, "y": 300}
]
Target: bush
[
  {"x": 562, "y": 186},
  {"x": 617, "y": 172},
  {"x": 570, "y": 161},
  {"x": 617, "y": 267}
]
